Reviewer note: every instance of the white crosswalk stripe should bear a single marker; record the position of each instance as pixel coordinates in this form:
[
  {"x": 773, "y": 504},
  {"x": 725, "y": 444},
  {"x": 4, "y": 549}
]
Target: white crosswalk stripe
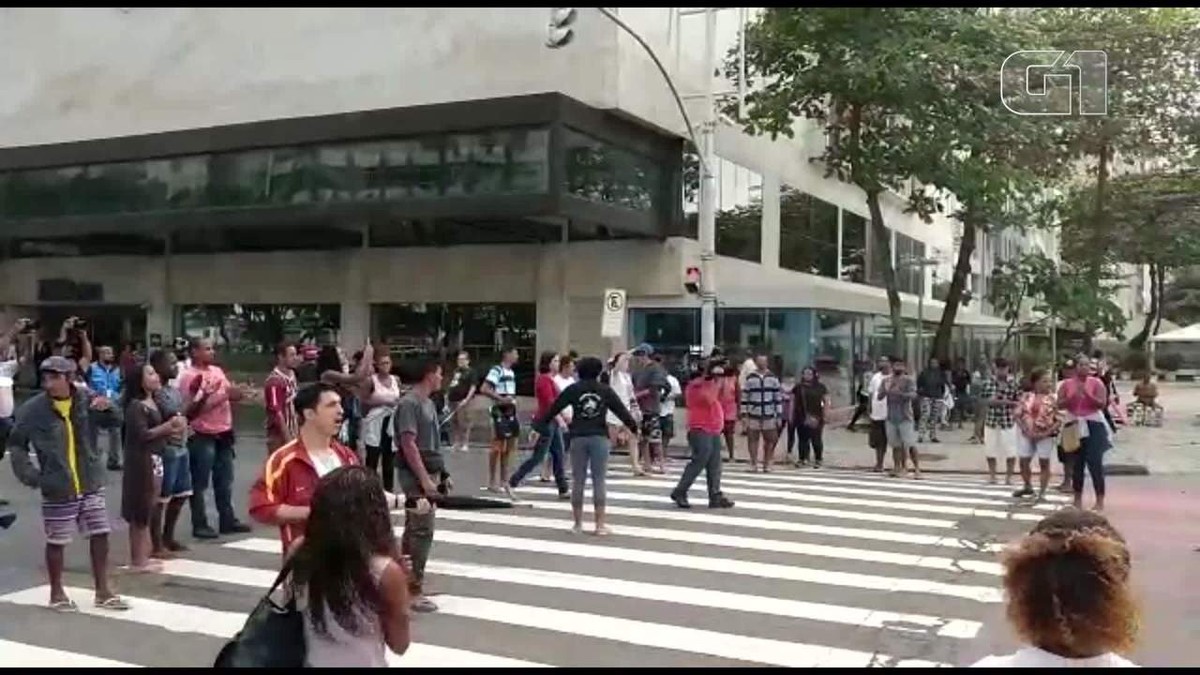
[{"x": 806, "y": 570}]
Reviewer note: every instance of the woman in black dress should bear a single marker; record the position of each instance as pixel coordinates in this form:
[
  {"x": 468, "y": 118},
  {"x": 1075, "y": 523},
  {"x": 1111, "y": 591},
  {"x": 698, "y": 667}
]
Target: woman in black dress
[{"x": 145, "y": 436}]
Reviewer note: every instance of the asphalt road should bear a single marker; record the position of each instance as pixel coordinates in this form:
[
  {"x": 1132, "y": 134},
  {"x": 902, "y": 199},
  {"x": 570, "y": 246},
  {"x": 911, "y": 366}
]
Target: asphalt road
[{"x": 831, "y": 568}]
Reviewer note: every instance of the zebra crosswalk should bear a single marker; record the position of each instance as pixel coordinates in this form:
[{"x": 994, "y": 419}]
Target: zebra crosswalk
[{"x": 809, "y": 569}]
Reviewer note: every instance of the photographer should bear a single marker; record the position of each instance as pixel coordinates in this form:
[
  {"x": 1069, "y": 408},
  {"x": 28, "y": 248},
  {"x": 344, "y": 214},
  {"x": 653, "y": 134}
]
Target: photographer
[
  {"x": 73, "y": 342},
  {"x": 706, "y": 421}
]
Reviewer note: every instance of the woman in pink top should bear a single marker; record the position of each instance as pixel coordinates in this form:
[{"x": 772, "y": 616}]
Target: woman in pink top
[
  {"x": 1084, "y": 399},
  {"x": 706, "y": 421}
]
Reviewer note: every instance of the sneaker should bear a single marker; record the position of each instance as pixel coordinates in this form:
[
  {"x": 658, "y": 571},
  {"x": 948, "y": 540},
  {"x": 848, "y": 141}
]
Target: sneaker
[
  {"x": 204, "y": 532},
  {"x": 236, "y": 527},
  {"x": 564, "y": 496},
  {"x": 1023, "y": 492},
  {"x": 934, "y": 440},
  {"x": 423, "y": 605},
  {"x": 681, "y": 501},
  {"x": 721, "y": 502}
]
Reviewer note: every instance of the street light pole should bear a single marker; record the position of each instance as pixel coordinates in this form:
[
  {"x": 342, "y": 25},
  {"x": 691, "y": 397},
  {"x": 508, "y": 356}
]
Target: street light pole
[{"x": 708, "y": 198}]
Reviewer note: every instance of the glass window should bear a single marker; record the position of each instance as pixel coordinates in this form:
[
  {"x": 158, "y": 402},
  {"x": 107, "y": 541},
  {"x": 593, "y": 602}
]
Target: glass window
[
  {"x": 412, "y": 168},
  {"x": 909, "y": 255},
  {"x": 739, "y": 211},
  {"x": 691, "y": 191},
  {"x": 741, "y": 329},
  {"x": 243, "y": 178},
  {"x": 601, "y": 172},
  {"x": 346, "y": 173},
  {"x": 40, "y": 193},
  {"x": 443, "y": 329},
  {"x": 807, "y": 233},
  {"x": 184, "y": 180},
  {"x": 854, "y": 247},
  {"x": 497, "y": 162},
  {"x": 246, "y": 334},
  {"x": 109, "y": 243}
]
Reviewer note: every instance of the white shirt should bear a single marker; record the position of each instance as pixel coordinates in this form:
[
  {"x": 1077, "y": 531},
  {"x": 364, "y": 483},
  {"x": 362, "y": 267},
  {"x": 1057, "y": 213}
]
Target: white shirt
[
  {"x": 503, "y": 379},
  {"x": 325, "y": 463},
  {"x": 562, "y": 383},
  {"x": 1032, "y": 657},
  {"x": 622, "y": 386},
  {"x": 8, "y": 371},
  {"x": 878, "y": 407},
  {"x": 668, "y": 406}
]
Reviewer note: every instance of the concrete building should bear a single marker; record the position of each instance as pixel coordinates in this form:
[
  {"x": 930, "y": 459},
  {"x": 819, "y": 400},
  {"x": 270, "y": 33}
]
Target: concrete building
[{"x": 428, "y": 176}]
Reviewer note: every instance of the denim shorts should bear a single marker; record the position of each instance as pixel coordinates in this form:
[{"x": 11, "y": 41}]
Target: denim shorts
[{"x": 177, "y": 475}]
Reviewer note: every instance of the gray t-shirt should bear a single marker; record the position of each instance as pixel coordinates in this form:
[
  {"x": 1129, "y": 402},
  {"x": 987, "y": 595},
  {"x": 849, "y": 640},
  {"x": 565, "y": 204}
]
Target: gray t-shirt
[
  {"x": 652, "y": 378},
  {"x": 416, "y": 414},
  {"x": 900, "y": 399},
  {"x": 170, "y": 403}
]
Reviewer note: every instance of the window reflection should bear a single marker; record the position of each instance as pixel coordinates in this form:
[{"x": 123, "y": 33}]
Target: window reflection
[
  {"x": 503, "y": 161},
  {"x": 249, "y": 238},
  {"x": 482, "y": 330},
  {"x": 807, "y": 233},
  {"x": 245, "y": 335},
  {"x": 739, "y": 211},
  {"x": 603, "y": 173},
  {"x": 909, "y": 254},
  {"x": 854, "y": 247}
]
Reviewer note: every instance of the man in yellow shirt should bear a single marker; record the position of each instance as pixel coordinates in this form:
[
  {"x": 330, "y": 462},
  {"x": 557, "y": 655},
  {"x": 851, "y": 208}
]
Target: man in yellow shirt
[{"x": 70, "y": 472}]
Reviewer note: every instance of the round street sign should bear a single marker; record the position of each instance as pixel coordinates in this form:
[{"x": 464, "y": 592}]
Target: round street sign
[{"x": 614, "y": 302}]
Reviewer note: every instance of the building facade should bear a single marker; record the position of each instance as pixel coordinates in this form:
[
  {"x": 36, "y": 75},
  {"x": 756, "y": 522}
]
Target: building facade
[{"x": 431, "y": 177}]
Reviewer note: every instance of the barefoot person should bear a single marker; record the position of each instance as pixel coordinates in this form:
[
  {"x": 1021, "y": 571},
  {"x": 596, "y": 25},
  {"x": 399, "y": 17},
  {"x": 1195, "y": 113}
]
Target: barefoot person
[
  {"x": 146, "y": 434},
  {"x": 54, "y": 424}
]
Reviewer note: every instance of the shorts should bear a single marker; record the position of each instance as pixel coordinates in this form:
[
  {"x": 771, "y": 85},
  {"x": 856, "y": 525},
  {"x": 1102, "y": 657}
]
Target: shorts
[
  {"x": 504, "y": 446},
  {"x": 877, "y": 435},
  {"x": 651, "y": 429},
  {"x": 758, "y": 426},
  {"x": 177, "y": 476},
  {"x": 87, "y": 512},
  {"x": 901, "y": 435},
  {"x": 999, "y": 443},
  {"x": 1027, "y": 447},
  {"x": 666, "y": 424}
]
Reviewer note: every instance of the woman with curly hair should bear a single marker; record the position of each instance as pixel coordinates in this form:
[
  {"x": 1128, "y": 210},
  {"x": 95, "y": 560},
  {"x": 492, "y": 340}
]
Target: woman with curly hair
[
  {"x": 1069, "y": 595},
  {"x": 350, "y": 582}
]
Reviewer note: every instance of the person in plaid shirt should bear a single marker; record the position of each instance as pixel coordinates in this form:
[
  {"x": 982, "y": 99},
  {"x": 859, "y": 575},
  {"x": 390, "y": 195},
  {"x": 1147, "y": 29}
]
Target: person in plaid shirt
[{"x": 1000, "y": 394}]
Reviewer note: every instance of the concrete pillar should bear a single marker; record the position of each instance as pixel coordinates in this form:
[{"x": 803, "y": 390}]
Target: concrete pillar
[
  {"x": 160, "y": 311},
  {"x": 355, "y": 306},
  {"x": 769, "y": 245}
]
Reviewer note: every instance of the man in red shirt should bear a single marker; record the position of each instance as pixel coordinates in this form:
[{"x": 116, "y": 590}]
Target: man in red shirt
[
  {"x": 279, "y": 394},
  {"x": 706, "y": 422},
  {"x": 283, "y": 492}
]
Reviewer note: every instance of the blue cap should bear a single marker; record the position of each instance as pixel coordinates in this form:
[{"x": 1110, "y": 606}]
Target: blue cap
[{"x": 643, "y": 349}]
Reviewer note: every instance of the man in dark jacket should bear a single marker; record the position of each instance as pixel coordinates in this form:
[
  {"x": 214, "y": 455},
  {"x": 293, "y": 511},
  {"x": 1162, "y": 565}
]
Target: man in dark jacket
[
  {"x": 931, "y": 387},
  {"x": 70, "y": 472}
]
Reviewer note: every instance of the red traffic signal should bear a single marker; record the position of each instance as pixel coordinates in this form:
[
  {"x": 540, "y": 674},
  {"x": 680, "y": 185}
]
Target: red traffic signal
[{"x": 691, "y": 280}]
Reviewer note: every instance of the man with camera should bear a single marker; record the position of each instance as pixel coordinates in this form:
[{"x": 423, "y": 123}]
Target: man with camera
[{"x": 706, "y": 421}]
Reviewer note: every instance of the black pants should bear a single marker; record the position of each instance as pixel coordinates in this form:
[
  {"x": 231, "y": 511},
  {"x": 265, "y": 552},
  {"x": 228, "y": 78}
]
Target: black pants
[
  {"x": 810, "y": 437},
  {"x": 859, "y": 410},
  {"x": 791, "y": 436},
  {"x": 1091, "y": 455},
  {"x": 387, "y": 452}
]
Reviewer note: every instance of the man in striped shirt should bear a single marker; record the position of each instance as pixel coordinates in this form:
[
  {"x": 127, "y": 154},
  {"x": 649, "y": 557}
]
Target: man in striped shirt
[
  {"x": 279, "y": 395},
  {"x": 762, "y": 412}
]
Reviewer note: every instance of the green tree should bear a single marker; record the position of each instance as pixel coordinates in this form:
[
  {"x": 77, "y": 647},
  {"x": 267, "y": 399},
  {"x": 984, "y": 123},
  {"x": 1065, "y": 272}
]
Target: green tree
[
  {"x": 1152, "y": 90},
  {"x": 1022, "y": 284},
  {"x": 1181, "y": 297},
  {"x": 862, "y": 74},
  {"x": 995, "y": 163},
  {"x": 1154, "y": 221}
]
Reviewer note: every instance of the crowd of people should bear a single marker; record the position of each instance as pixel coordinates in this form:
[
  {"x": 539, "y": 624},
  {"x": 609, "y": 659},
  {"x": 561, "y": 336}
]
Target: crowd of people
[{"x": 369, "y": 436}]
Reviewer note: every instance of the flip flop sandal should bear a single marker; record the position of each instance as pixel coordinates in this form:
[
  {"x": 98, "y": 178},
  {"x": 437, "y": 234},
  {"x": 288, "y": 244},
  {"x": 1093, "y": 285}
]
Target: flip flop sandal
[
  {"x": 64, "y": 606},
  {"x": 115, "y": 603},
  {"x": 603, "y": 531}
]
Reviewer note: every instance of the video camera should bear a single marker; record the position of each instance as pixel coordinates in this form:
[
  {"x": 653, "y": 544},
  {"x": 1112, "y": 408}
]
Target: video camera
[{"x": 29, "y": 325}]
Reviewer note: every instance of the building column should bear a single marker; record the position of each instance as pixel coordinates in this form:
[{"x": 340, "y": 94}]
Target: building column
[
  {"x": 769, "y": 245},
  {"x": 355, "y": 309}
]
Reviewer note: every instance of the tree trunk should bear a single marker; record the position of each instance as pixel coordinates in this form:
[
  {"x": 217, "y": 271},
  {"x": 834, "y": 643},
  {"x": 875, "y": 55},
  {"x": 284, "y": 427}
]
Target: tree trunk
[
  {"x": 1158, "y": 289},
  {"x": 882, "y": 239},
  {"x": 958, "y": 284},
  {"x": 1139, "y": 341}
]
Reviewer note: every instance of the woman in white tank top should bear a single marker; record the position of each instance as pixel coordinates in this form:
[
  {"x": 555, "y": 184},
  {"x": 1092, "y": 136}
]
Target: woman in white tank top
[
  {"x": 380, "y": 399},
  {"x": 349, "y": 582}
]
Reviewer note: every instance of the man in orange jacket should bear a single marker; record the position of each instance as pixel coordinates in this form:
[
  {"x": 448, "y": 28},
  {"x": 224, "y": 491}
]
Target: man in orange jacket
[{"x": 283, "y": 492}]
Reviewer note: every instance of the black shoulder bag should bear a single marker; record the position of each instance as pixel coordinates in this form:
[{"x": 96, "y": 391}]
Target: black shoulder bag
[{"x": 273, "y": 636}]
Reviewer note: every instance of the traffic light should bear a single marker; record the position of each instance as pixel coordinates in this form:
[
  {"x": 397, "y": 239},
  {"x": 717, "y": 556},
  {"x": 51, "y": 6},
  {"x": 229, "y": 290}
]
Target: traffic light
[
  {"x": 559, "y": 33},
  {"x": 691, "y": 280}
]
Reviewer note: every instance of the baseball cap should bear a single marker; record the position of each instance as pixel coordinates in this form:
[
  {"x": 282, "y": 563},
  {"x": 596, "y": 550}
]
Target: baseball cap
[
  {"x": 643, "y": 349},
  {"x": 57, "y": 364}
]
